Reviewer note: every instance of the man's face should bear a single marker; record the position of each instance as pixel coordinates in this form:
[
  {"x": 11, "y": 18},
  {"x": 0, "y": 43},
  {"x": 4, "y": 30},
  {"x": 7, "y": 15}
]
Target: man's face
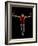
[{"x": 22, "y": 15}]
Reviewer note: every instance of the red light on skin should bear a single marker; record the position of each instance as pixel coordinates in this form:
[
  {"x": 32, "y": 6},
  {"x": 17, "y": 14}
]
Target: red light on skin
[{"x": 22, "y": 19}]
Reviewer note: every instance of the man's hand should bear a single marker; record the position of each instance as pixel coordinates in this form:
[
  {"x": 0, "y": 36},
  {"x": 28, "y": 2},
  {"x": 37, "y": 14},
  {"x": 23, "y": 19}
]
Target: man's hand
[
  {"x": 29, "y": 16},
  {"x": 26, "y": 17}
]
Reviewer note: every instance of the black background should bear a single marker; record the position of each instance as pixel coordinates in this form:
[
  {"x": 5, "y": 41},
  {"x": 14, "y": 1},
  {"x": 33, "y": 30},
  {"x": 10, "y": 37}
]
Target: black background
[{"x": 16, "y": 30}]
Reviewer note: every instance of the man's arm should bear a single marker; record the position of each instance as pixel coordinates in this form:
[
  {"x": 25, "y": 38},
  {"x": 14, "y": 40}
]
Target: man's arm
[
  {"x": 27, "y": 17},
  {"x": 15, "y": 16}
]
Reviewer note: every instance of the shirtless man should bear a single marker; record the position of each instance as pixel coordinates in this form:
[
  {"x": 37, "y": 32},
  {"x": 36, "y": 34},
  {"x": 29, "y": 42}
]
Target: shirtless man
[{"x": 22, "y": 22}]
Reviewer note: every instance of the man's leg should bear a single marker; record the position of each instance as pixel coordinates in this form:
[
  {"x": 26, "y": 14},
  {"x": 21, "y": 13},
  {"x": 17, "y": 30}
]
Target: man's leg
[
  {"x": 23, "y": 30},
  {"x": 21, "y": 26}
]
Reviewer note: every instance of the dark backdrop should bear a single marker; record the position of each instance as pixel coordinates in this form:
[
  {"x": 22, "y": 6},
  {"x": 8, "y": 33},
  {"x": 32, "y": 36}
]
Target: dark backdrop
[{"x": 16, "y": 30}]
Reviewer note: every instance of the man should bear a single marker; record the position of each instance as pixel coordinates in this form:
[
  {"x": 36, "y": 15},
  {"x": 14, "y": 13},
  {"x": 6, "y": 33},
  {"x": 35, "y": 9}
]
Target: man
[{"x": 22, "y": 22}]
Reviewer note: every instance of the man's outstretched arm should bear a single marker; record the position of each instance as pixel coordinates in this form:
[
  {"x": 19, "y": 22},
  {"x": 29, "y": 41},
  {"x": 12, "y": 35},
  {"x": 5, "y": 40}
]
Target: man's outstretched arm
[
  {"x": 27, "y": 17},
  {"x": 16, "y": 16}
]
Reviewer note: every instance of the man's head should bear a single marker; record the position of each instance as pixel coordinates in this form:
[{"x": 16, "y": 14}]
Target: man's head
[{"x": 22, "y": 15}]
